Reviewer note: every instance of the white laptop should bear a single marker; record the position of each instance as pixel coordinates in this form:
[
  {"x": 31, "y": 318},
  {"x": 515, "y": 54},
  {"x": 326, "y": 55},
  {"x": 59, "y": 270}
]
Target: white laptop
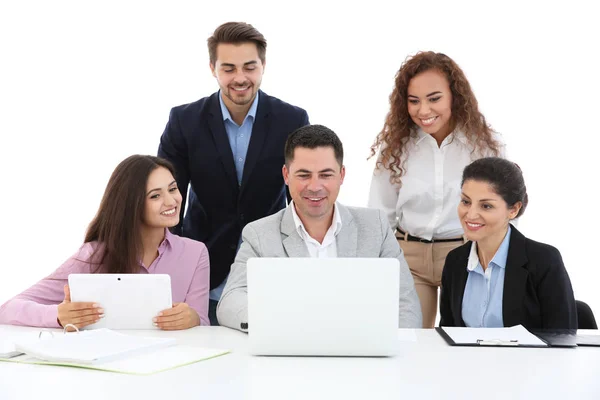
[
  {"x": 130, "y": 301},
  {"x": 323, "y": 306}
]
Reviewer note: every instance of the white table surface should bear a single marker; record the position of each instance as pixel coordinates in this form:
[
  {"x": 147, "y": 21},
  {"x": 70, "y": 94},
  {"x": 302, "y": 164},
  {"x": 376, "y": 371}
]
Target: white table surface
[{"x": 426, "y": 369}]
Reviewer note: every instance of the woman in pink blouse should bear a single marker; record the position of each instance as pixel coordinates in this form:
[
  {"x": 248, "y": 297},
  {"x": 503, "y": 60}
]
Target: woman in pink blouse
[{"x": 129, "y": 234}]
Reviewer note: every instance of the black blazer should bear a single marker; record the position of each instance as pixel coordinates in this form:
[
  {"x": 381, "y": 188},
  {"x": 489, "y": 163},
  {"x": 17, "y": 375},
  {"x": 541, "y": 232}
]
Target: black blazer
[
  {"x": 537, "y": 289},
  {"x": 196, "y": 142}
]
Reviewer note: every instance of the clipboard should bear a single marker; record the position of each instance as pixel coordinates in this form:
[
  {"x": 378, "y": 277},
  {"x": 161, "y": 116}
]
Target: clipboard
[
  {"x": 558, "y": 337},
  {"x": 588, "y": 340},
  {"x": 516, "y": 336}
]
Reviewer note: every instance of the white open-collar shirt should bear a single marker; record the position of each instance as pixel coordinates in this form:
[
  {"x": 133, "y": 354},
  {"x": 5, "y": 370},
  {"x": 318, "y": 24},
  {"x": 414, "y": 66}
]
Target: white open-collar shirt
[{"x": 326, "y": 249}]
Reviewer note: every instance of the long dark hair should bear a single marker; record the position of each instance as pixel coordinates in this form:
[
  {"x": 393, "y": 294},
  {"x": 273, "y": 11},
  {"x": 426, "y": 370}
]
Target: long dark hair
[
  {"x": 117, "y": 224},
  {"x": 399, "y": 125}
]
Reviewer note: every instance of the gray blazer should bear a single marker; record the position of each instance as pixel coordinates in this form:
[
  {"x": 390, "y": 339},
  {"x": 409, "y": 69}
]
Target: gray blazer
[{"x": 276, "y": 236}]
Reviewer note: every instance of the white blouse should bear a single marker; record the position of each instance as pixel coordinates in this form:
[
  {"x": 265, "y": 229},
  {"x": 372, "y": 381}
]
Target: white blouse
[{"x": 425, "y": 204}]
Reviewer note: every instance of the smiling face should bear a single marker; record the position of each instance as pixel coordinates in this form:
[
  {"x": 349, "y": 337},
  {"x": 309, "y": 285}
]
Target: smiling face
[
  {"x": 239, "y": 72},
  {"x": 163, "y": 200},
  {"x": 314, "y": 178},
  {"x": 430, "y": 103},
  {"x": 483, "y": 214}
]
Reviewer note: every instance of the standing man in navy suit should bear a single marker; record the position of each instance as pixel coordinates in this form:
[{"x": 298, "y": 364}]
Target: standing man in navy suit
[{"x": 228, "y": 148}]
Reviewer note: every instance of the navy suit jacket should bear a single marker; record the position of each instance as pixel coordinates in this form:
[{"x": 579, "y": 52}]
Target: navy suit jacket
[
  {"x": 537, "y": 289},
  {"x": 196, "y": 142}
]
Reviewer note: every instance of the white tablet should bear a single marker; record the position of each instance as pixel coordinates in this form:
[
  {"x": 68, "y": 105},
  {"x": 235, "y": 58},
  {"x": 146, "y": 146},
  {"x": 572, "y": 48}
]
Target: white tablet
[{"x": 130, "y": 301}]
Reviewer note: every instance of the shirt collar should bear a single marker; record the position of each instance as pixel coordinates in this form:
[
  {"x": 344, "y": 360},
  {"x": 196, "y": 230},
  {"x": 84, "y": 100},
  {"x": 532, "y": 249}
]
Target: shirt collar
[
  {"x": 227, "y": 115},
  {"x": 337, "y": 221},
  {"x": 419, "y": 135},
  {"x": 461, "y": 137},
  {"x": 499, "y": 259},
  {"x": 167, "y": 241}
]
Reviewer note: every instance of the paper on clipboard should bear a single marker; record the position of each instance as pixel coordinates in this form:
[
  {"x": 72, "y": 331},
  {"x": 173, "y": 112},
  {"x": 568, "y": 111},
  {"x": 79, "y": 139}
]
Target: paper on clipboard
[{"x": 515, "y": 335}]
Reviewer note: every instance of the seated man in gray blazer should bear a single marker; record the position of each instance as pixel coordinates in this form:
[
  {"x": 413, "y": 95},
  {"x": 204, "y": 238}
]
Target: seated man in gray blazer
[{"x": 314, "y": 225}]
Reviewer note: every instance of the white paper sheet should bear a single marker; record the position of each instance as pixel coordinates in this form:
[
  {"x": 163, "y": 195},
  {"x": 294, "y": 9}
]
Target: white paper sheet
[
  {"x": 90, "y": 347},
  {"x": 141, "y": 364},
  {"x": 494, "y": 335},
  {"x": 7, "y": 342}
]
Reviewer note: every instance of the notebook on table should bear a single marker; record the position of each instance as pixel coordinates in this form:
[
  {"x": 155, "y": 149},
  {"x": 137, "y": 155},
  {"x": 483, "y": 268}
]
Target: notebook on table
[
  {"x": 7, "y": 348},
  {"x": 90, "y": 347},
  {"x": 106, "y": 350},
  {"x": 8, "y": 338}
]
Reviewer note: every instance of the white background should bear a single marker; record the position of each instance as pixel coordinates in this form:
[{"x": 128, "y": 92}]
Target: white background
[{"x": 84, "y": 85}]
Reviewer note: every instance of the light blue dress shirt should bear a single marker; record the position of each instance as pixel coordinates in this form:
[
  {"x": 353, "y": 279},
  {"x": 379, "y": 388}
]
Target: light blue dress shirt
[
  {"x": 239, "y": 135},
  {"x": 482, "y": 299},
  {"x": 239, "y": 140}
]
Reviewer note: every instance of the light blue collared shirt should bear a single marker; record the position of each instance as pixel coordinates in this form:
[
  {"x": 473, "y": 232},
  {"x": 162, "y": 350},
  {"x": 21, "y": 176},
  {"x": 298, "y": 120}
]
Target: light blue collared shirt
[
  {"x": 239, "y": 135},
  {"x": 239, "y": 140},
  {"x": 482, "y": 299}
]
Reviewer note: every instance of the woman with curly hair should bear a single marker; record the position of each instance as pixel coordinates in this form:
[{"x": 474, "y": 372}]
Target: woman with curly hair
[{"x": 432, "y": 132}]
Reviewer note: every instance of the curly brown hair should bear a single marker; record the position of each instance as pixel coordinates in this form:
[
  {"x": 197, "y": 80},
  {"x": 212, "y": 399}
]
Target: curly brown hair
[{"x": 399, "y": 125}]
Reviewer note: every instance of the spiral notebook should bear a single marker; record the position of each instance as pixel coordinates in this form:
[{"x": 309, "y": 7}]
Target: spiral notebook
[{"x": 107, "y": 350}]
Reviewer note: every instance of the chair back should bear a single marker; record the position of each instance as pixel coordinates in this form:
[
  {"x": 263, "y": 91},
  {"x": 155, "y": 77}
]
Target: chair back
[{"x": 585, "y": 316}]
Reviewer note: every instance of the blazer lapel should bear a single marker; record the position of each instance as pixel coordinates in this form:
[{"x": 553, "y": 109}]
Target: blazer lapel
[
  {"x": 292, "y": 242},
  {"x": 459, "y": 285},
  {"x": 217, "y": 129},
  {"x": 515, "y": 279},
  {"x": 260, "y": 130},
  {"x": 347, "y": 238}
]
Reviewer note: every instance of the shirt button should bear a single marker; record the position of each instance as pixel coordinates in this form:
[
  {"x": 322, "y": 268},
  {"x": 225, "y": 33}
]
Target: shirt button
[
  {"x": 242, "y": 135},
  {"x": 240, "y": 159}
]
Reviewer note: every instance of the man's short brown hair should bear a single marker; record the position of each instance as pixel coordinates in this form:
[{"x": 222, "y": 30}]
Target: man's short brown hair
[{"x": 236, "y": 33}]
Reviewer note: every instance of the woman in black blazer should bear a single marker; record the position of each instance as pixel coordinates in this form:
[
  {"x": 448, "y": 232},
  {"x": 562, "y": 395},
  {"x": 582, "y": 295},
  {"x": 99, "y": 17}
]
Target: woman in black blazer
[{"x": 506, "y": 279}]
